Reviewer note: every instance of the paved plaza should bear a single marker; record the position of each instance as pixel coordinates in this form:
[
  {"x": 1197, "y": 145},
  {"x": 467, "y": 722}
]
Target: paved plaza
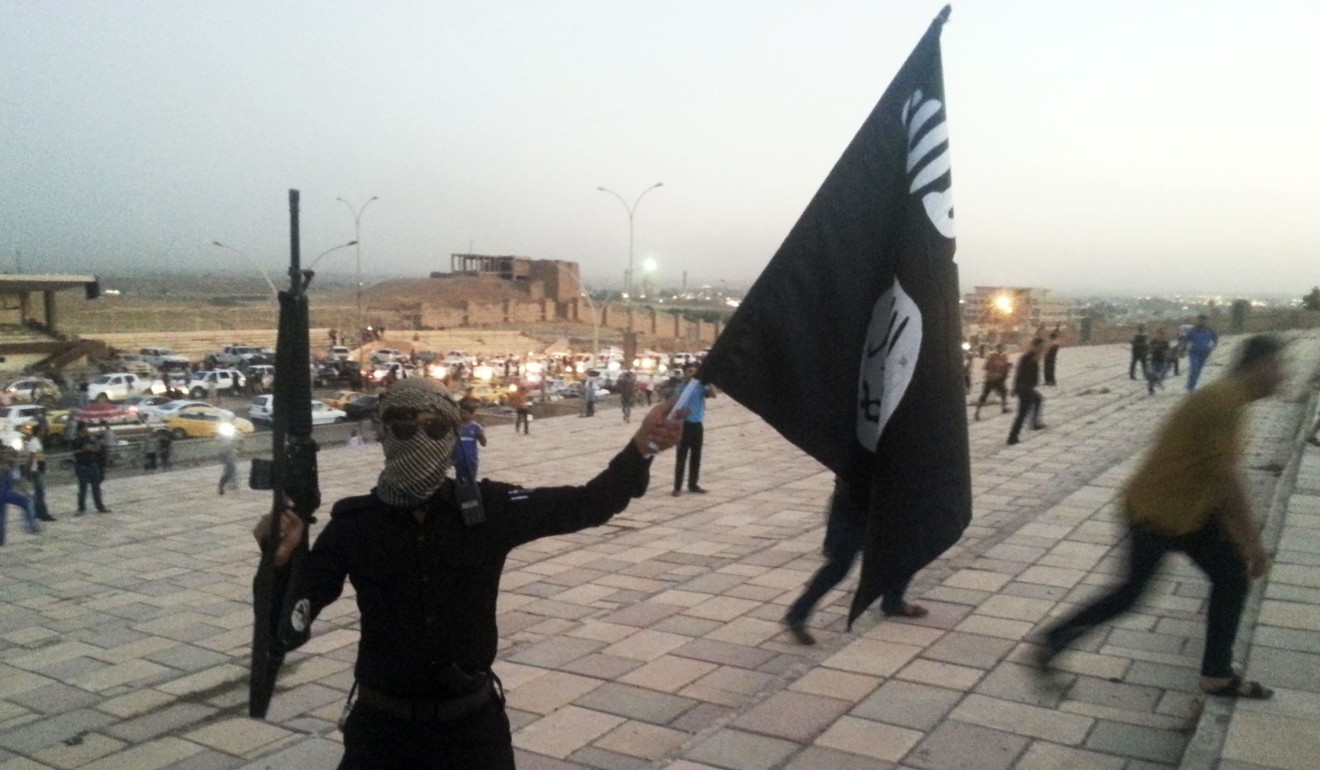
[{"x": 656, "y": 641}]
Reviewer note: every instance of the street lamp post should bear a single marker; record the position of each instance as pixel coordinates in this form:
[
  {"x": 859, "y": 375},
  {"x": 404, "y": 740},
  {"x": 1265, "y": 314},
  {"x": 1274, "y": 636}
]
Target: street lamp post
[
  {"x": 357, "y": 240},
  {"x": 628, "y": 281},
  {"x": 274, "y": 292}
]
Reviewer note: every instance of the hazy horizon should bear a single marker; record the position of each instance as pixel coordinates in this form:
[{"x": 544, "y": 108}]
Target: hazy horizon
[{"x": 1113, "y": 148}]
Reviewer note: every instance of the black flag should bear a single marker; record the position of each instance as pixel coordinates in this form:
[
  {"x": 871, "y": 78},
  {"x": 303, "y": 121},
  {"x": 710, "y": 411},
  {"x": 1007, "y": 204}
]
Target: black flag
[{"x": 849, "y": 343}]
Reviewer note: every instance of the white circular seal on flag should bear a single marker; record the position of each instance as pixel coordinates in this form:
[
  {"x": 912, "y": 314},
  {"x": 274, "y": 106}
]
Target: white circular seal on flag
[
  {"x": 301, "y": 616},
  {"x": 889, "y": 357}
]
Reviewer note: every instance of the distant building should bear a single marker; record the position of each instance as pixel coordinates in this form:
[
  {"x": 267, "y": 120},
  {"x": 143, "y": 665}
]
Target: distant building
[
  {"x": 1012, "y": 311},
  {"x": 553, "y": 279}
]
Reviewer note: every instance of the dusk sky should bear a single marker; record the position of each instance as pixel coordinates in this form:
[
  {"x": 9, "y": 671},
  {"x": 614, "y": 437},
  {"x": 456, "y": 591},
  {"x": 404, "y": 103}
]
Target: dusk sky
[{"x": 1123, "y": 146}]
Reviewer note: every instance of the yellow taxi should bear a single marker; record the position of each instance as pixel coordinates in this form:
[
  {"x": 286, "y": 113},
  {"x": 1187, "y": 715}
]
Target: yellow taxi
[
  {"x": 487, "y": 394},
  {"x": 202, "y": 421},
  {"x": 343, "y": 398}
]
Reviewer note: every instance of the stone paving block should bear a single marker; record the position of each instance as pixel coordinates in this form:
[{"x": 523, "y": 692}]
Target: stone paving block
[
  {"x": 838, "y": 684},
  {"x": 1025, "y": 684},
  {"x": 151, "y": 756},
  {"x": 1022, "y": 719},
  {"x": 642, "y": 615},
  {"x": 871, "y": 739},
  {"x": 940, "y": 674},
  {"x": 957, "y": 745},
  {"x": 1048, "y": 756},
  {"x": 868, "y": 656},
  {"x": 1103, "y": 692},
  {"x": 908, "y": 704},
  {"x": 642, "y": 740},
  {"x": 555, "y": 651},
  {"x": 724, "y": 653},
  {"x": 551, "y": 691},
  {"x": 48, "y": 731},
  {"x": 167, "y": 719},
  {"x": 795, "y": 716},
  {"x": 978, "y": 580},
  {"x": 816, "y": 758},
  {"x": 668, "y": 673},
  {"x": 969, "y": 649},
  {"x": 636, "y": 703},
  {"x": 78, "y": 753},
  {"x": 737, "y": 750},
  {"x": 601, "y": 759},
  {"x": 54, "y": 698},
  {"x": 565, "y": 731},
  {"x": 1137, "y": 741},
  {"x": 646, "y": 645}
]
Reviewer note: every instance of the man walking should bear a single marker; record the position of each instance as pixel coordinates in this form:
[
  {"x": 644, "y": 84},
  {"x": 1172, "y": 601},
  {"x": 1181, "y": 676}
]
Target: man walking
[
  {"x": 1159, "y": 362},
  {"x": 1052, "y": 356},
  {"x": 693, "y": 436},
  {"x": 1140, "y": 348},
  {"x": 1188, "y": 496},
  {"x": 1201, "y": 340},
  {"x": 844, "y": 532},
  {"x": 995, "y": 371},
  {"x": 522, "y": 412},
  {"x": 627, "y": 393},
  {"x": 35, "y": 470},
  {"x": 1024, "y": 387}
]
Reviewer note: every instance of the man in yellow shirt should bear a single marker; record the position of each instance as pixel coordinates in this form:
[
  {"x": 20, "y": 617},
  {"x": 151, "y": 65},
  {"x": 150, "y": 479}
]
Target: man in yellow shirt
[{"x": 1188, "y": 496}]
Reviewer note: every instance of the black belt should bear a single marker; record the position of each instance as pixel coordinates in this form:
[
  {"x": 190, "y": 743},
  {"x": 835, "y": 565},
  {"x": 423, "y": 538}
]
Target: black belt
[{"x": 428, "y": 709}]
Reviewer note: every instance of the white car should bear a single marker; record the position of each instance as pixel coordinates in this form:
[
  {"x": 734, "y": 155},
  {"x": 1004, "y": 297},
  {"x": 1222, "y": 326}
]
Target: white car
[
  {"x": 262, "y": 409},
  {"x": 386, "y": 355},
  {"x": 147, "y": 408},
  {"x": 32, "y": 389},
  {"x": 230, "y": 380}
]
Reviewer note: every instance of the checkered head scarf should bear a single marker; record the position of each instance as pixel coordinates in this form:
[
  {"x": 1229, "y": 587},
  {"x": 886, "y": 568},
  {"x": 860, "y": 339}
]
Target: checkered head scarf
[{"x": 415, "y": 467}]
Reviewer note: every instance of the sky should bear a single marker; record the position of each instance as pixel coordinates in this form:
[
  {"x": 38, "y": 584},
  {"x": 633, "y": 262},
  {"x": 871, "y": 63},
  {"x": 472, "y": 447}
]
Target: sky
[{"x": 1128, "y": 146}]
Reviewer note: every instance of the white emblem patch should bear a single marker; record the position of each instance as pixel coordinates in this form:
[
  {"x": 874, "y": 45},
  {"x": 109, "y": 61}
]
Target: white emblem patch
[
  {"x": 889, "y": 357},
  {"x": 938, "y": 203},
  {"x": 300, "y": 618}
]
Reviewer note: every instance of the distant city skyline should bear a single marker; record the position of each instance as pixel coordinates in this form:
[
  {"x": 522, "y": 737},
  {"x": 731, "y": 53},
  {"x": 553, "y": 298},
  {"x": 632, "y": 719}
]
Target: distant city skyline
[{"x": 1129, "y": 147}]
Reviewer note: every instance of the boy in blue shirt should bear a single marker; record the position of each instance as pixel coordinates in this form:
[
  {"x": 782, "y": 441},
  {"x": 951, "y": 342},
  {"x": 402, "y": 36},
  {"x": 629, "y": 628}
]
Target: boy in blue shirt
[
  {"x": 470, "y": 437},
  {"x": 1201, "y": 339}
]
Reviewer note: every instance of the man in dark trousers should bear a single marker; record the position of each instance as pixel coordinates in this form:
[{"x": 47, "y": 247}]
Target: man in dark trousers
[
  {"x": 1140, "y": 348},
  {"x": 845, "y": 531},
  {"x": 1189, "y": 496},
  {"x": 1052, "y": 356},
  {"x": 995, "y": 375},
  {"x": 87, "y": 458},
  {"x": 427, "y": 580},
  {"x": 694, "y": 432},
  {"x": 1025, "y": 381}
]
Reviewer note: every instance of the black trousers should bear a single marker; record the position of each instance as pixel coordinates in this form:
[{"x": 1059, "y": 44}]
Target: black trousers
[
  {"x": 1217, "y": 557},
  {"x": 377, "y": 741},
  {"x": 521, "y": 421},
  {"x": 1030, "y": 401},
  {"x": 689, "y": 447},
  {"x": 1138, "y": 357},
  {"x": 1051, "y": 359}
]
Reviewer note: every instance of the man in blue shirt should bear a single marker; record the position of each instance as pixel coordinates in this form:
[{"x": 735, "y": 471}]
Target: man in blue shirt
[
  {"x": 1201, "y": 339},
  {"x": 693, "y": 432}
]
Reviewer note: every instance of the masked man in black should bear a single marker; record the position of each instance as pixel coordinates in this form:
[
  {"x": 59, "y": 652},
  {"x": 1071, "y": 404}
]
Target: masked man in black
[{"x": 427, "y": 581}]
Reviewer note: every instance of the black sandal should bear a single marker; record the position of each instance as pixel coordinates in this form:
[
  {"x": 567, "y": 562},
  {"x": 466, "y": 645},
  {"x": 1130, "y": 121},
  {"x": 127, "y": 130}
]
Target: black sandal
[{"x": 1237, "y": 687}]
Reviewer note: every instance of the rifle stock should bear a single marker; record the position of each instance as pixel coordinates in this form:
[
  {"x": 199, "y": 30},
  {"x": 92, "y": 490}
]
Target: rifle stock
[{"x": 282, "y": 620}]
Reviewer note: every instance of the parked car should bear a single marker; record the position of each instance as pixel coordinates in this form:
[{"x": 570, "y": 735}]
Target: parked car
[
  {"x": 486, "y": 394},
  {"x": 362, "y": 409},
  {"x": 261, "y": 374},
  {"x": 205, "y": 421},
  {"x": 223, "y": 380},
  {"x": 118, "y": 386},
  {"x": 386, "y": 355},
  {"x": 383, "y": 371},
  {"x": 343, "y": 398},
  {"x": 146, "y": 407},
  {"x": 340, "y": 353},
  {"x": 262, "y": 409},
  {"x": 21, "y": 417},
  {"x": 105, "y": 412},
  {"x": 160, "y": 358},
  {"x": 323, "y": 414},
  {"x": 33, "y": 390},
  {"x": 178, "y": 405}
]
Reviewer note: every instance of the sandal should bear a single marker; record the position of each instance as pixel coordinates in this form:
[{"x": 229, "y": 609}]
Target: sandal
[
  {"x": 909, "y": 611},
  {"x": 1237, "y": 687}
]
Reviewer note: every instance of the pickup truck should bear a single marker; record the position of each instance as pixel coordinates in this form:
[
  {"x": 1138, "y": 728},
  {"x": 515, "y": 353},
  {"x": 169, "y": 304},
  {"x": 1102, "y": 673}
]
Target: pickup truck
[
  {"x": 235, "y": 356},
  {"x": 162, "y": 358},
  {"x": 118, "y": 386},
  {"x": 222, "y": 380}
]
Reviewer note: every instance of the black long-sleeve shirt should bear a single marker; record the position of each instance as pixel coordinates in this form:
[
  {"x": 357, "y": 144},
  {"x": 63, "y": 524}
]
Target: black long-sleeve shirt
[
  {"x": 1028, "y": 373},
  {"x": 427, "y": 591}
]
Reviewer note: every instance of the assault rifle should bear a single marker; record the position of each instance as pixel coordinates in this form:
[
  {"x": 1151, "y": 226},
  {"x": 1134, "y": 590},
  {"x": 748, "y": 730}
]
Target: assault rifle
[{"x": 282, "y": 617}]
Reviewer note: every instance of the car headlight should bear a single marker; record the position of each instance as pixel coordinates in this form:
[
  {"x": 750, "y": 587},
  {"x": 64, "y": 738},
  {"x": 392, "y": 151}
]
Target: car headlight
[
  {"x": 225, "y": 429},
  {"x": 15, "y": 443}
]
